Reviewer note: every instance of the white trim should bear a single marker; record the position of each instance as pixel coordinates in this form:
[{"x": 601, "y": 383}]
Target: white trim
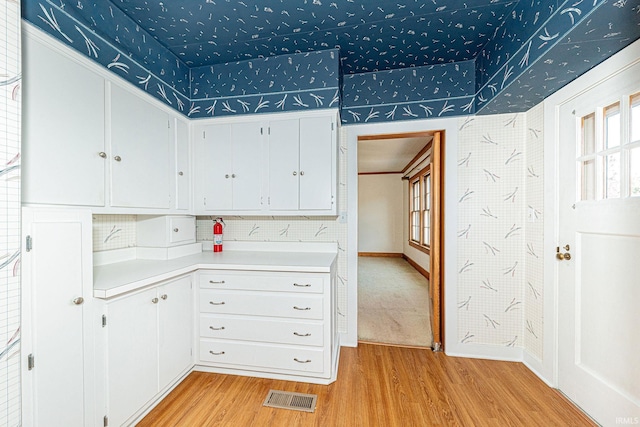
[
  {"x": 486, "y": 351},
  {"x": 450, "y": 273}
]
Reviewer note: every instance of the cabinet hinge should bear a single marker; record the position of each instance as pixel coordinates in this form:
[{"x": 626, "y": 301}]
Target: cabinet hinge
[
  {"x": 204, "y": 134},
  {"x": 332, "y": 124},
  {"x": 29, "y": 244},
  {"x": 261, "y": 133},
  {"x": 104, "y": 320},
  {"x": 168, "y": 124},
  {"x": 31, "y": 362},
  {"x": 105, "y": 421}
]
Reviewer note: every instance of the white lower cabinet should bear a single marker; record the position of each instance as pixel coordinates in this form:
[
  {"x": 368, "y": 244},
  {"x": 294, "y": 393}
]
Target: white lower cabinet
[
  {"x": 148, "y": 346},
  {"x": 270, "y": 324}
]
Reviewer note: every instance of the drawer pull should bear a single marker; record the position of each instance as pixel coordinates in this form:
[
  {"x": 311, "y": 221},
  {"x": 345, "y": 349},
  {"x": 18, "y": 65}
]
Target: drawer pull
[
  {"x": 216, "y": 354},
  {"x": 213, "y": 282},
  {"x": 216, "y": 329},
  {"x": 216, "y": 303},
  {"x": 301, "y": 335},
  {"x": 295, "y": 307},
  {"x": 302, "y": 286},
  {"x": 302, "y": 361}
]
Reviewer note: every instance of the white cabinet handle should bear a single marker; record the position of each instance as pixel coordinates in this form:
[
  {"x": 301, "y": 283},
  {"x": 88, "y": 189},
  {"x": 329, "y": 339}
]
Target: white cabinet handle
[
  {"x": 301, "y": 335},
  {"x": 213, "y": 282},
  {"x": 295, "y": 307},
  {"x": 78, "y": 301},
  {"x": 216, "y": 303},
  {"x": 302, "y": 286},
  {"x": 221, "y": 328},
  {"x": 102, "y": 154},
  {"x": 216, "y": 354},
  {"x": 117, "y": 158},
  {"x": 302, "y": 361}
]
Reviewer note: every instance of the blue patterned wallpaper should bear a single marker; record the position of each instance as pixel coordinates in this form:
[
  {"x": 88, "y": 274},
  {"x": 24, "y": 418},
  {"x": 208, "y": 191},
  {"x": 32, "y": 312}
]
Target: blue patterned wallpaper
[
  {"x": 413, "y": 59},
  {"x": 410, "y": 93}
]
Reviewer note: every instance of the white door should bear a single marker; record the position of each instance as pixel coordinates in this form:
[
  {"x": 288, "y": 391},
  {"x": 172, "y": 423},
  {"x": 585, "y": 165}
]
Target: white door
[
  {"x": 247, "y": 165},
  {"x": 132, "y": 354},
  {"x": 317, "y": 154},
  {"x": 599, "y": 220},
  {"x": 213, "y": 167},
  {"x": 139, "y": 152},
  {"x": 175, "y": 317},
  {"x": 284, "y": 167},
  {"x": 57, "y": 278}
]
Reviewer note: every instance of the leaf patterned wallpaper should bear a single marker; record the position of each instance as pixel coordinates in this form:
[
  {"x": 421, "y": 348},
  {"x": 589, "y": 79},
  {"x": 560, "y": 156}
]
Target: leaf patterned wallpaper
[
  {"x": 10, "y": 80},
  {"x": 431, "y": 59},
  {"x": 491, "y": 229}
]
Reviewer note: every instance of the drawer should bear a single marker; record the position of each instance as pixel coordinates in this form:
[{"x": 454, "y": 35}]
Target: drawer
[
  {"x": 262, "y": 356},
  {"x": 261, "y": 329},
  {"x": 266, "y": 281},
  {"x": 261, "y": 304},
  {"x": 182, "y": 229}
]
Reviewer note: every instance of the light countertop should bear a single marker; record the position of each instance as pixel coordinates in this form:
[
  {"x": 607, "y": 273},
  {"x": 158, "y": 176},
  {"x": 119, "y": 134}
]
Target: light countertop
[{"x": 111, "y": 280}]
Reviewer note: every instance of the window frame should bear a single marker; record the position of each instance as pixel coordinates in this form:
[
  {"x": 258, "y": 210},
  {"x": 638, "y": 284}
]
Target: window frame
[{"x": 421, "y": 178}]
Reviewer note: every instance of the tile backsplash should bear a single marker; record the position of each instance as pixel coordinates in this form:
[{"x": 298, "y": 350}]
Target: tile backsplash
[{"x": 113, "y": 232}]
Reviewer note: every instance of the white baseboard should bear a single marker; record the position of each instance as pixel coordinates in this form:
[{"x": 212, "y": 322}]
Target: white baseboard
[{"x": 485, "y": 351}]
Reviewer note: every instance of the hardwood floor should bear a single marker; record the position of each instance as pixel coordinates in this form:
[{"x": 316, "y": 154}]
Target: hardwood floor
[{"x": 378, "y": 386}]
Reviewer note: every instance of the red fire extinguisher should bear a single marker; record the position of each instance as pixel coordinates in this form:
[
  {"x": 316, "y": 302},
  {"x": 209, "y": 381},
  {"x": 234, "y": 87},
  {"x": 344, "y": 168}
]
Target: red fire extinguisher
[{"x": 217, "y": 235}]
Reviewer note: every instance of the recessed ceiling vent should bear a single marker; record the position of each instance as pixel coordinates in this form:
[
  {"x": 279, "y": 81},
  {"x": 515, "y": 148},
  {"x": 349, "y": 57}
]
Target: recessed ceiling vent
[{"x": 289, "y": 400}]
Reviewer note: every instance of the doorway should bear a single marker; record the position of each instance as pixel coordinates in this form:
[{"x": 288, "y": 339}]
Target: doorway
[{"x": 400, "y": 238}]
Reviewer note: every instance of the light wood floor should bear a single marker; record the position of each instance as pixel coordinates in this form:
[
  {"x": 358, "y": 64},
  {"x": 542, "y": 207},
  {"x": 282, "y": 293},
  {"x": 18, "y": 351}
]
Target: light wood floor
[{"x": 378, "y": 386}]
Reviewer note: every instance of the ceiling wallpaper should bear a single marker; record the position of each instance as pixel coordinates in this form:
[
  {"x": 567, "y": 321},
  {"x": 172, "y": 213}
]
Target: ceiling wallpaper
[{"x": 377, "y": 61}]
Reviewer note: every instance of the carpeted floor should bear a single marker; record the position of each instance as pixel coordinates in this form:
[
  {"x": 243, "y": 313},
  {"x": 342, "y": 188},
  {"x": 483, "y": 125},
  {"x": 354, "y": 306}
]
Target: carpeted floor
[{"x": 393, "y": 303}]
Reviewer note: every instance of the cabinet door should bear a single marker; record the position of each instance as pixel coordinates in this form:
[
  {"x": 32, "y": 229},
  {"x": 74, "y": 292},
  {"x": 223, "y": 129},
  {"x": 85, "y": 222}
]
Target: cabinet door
[
  {"x": 175, "y": 320},
  {"x": 247, "y": 165},
  {"x": 213, "y": 167},
  {"x": 132, "y": 354},
  {"x": 139, "y": 152},
  {"x": 181, "y": 169},
  {"x": 283, "y": 164},
  {"x": 56, "y": 323},
  {"x": 317, "y": 159},
  {"x": 63, "y": 130}
]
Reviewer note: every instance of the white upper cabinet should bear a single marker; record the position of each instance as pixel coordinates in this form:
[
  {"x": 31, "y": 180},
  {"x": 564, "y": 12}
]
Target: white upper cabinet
[
  {"x": 228, "y": 167},
  {"x": 139, "y": 154},
  {"x": 302, "y": 165},
  {"x": 63, "y": 148},
  {"x": 181, "y": 170}
]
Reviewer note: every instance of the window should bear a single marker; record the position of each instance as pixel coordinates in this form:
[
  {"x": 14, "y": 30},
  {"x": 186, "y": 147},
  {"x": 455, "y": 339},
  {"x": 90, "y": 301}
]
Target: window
[
  {"x": 420, "y": 192},
  {"x": 609, "y": 151}
]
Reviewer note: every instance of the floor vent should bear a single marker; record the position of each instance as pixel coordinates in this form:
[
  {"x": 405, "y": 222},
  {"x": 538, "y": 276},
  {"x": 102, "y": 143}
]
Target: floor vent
[{"x": 289, "y": 400}]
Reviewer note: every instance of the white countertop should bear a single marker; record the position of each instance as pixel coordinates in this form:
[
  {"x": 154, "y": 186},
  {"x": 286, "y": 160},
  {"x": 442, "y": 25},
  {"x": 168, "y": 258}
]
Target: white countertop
[{"x": 111, "y": 280}]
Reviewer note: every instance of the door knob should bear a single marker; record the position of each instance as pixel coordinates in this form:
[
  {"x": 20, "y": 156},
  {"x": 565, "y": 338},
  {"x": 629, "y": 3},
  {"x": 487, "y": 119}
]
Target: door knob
[{"x": 563, "y": 256}]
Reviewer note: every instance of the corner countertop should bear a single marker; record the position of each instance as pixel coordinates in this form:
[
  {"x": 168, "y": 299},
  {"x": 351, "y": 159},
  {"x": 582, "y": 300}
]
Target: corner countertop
[{"x": 118, "y": 278}]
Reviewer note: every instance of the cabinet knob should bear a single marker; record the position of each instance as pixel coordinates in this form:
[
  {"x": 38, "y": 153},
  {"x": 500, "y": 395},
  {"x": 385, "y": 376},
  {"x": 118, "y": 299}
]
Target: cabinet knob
[
  {"x": 175, "y": 230},
  {"x": 117, "y": 158},
  {"x": 164, "y": 297},
  {"x": 155, "y": 300},
  {"x": 180, "y": 173},
  {"x": 78, "y": 301},
  {"x": 226, "y": 175},
  {"x": 102, "y": 154},
  {"x": 233, "y": 175},
  {"x": 301, "y": 173},
  {"x": 295, "y": 173}
]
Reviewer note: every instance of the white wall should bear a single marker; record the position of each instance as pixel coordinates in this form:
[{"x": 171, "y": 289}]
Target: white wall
[{"x": 380, "y": 213}]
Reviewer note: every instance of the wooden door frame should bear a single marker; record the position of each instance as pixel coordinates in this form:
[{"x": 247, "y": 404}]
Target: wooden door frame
[{"x": 436, "y": 256}]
